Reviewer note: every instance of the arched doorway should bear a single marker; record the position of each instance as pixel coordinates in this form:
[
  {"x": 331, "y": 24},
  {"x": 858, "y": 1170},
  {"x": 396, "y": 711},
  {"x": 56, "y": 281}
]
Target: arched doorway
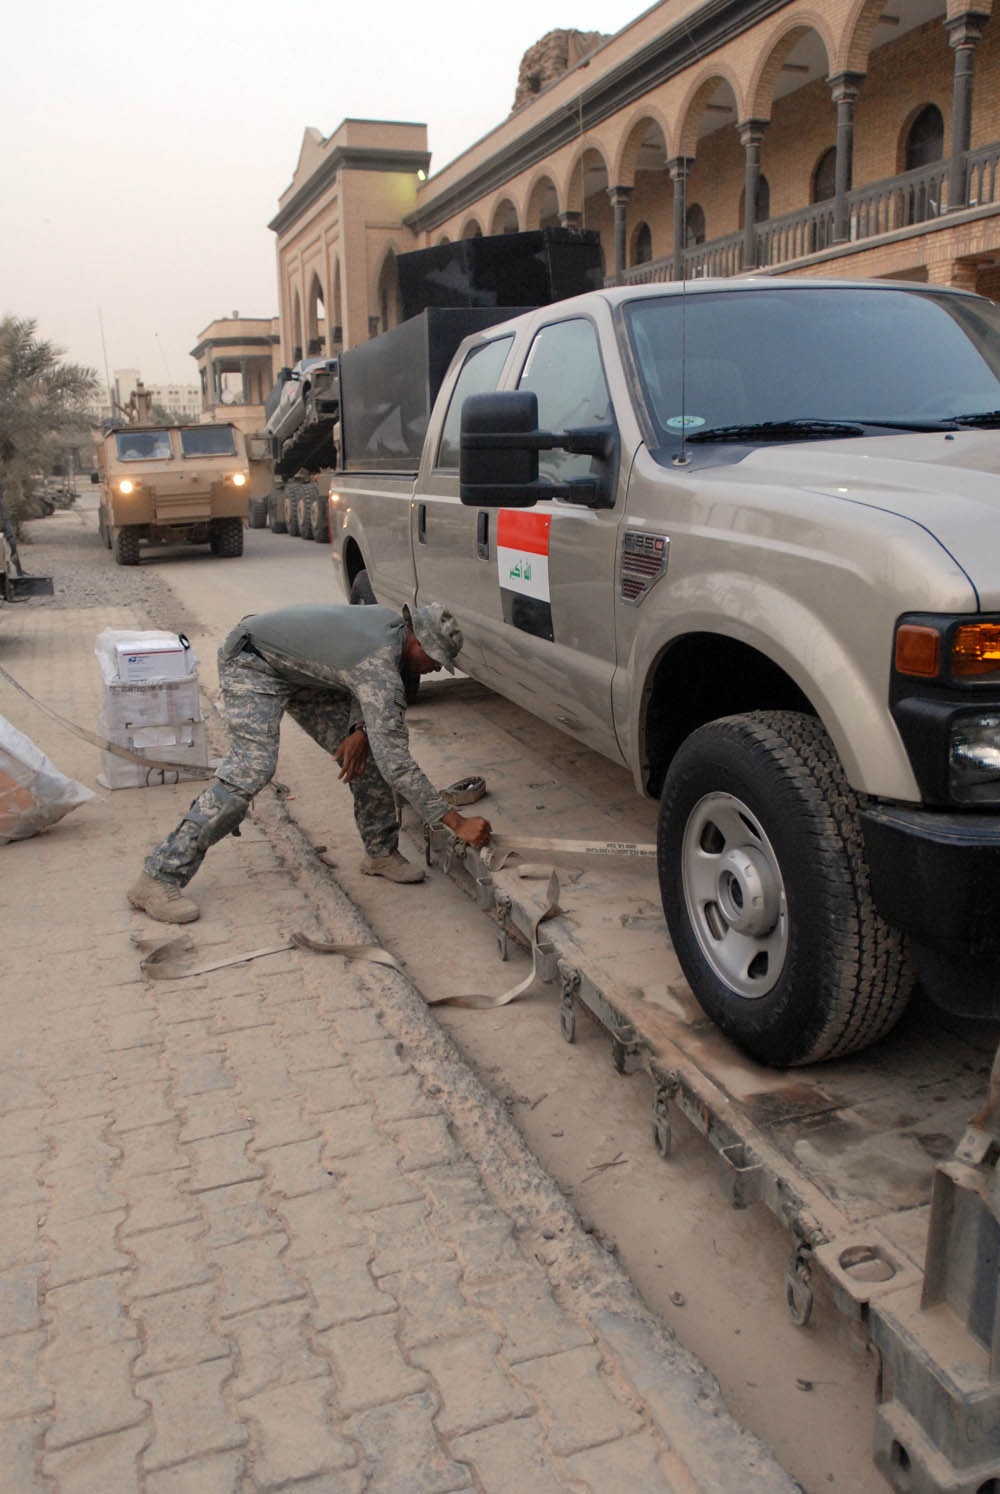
[{"x": 923, "y": 148}]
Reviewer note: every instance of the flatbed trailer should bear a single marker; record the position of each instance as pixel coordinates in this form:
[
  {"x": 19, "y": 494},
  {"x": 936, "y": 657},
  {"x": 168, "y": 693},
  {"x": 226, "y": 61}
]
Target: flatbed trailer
[{"x": 890, "y": 1200}]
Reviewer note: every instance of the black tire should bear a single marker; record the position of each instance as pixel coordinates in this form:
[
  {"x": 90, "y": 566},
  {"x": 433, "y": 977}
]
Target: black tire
[
  {"x": 320, "y": 519},
  {"x": 276, "y": 512},
  {"x": 291, "y": 511},
  {"x": 257, "y": 513},
  {"x": 362, "y": 594},
  {"x": 226, "y": 538},
  {"x": 766, "y": 892},
  {"x": 103, "y": 528},
  {"x": 303, "y": 508},
  {"x": 126, "y": 547}
]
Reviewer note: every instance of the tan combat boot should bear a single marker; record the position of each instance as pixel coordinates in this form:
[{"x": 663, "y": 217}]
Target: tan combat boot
[
  {"x": 394, "y": 867},
  {"x": 162, "y": 900}
]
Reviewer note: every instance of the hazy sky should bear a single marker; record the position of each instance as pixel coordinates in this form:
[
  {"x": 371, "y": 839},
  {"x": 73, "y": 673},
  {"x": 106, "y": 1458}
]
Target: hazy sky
[{"x": 146, "y": 146}]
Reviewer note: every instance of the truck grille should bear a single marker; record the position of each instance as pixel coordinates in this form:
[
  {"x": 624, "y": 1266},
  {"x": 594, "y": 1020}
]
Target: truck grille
[{"x": 644, "y": 561}]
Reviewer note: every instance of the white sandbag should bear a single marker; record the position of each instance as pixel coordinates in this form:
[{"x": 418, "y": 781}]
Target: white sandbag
[{"x": 33, "y": 792}]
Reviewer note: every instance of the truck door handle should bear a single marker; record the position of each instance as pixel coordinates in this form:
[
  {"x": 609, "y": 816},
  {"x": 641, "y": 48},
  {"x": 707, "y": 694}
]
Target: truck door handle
[
  {"x": 483, "y": 535},
  {"x": 421, "y": 523}
]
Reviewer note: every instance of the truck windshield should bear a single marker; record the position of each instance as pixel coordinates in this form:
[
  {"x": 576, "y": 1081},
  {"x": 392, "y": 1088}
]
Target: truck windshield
[
  {"x": 208, "y": 440},
  {"x": 868, "y": 357},
  {"x": 142, "y": 446}
]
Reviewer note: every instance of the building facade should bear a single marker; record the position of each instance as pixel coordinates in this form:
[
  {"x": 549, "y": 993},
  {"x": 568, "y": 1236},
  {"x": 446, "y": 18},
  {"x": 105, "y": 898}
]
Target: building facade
[
  {"x": 709, "y": 137},
  {"x": 237, "y": 358}
]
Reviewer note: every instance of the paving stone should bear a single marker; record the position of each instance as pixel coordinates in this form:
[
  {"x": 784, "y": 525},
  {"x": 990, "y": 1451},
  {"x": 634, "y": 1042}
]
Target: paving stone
[
  {"x": 99, "y": 1465},
  {"x": 191, "y": 1004},
  {"x": 295, "y": 1432},
  {"x": 77, "y": 1144},
  {"x": 295, "y": 1169},
  {"x": 279, "y": 1124},
  {"x": 526, "y": 1313},
  {"x": 510, "y": 1458},
  {"x": 190, "y": 1414},
  {"x": 306, "y": 1052},
  {"x": 331, "y": 1089},
  {"x": 318, "y": 1223},
  {"x": 178, "y": 1328},
  {"x": 403, "y": 1450},
  {"x": 21, "y": 1390},
  {"x": 359, "y": 1026},
  {"x": 19, "y": 1455},
  {"x": 579, "y": 1408},
  {"x": 135, "y": 1029},
  {"x": 487, "y": 1252},
  {"x": 424, "y": 1141},
  {"x": 21, "y": 1132},
  {"x": 403, "y": 1239},
  {"x": 369, "y": 1364},
  {"x": 93, "y": 1393},
  {"x": 79, "y": 1195},
  {"x": 300, "y": 1015},
  {"x": 343, "y": 1287},
  {"x": 631, "y": 1463},
  {"x": 216, "y": 1113},
  {"x": 373, "y": 1180},
  {"x": 150, "y": 1149},
  {"x": 433, "y": 1304},
  {"x": 401, "y": 1096},
  {"x": 167, "y": 1259},
  {"x": 21, "y": 1237},
  {"x": 20, "y": 1310},
  {"x": 241, "y": 1012},
  {"x": 139, "y": 1105},
  {"x": 349, "y": 1132},
  {"x": 475, "y": 1390},
  {"x": 251, "y": 1275},
  {"x": 216, "y": 1473},
  {"x": 19, "y": 1184},
  {"x": 377, "y": 1060},
  {"x": 240, "y": 1212},
  {"x": 20, "y": 1089},
  {"x": 157, "y": 1201},
  {"x": 79, "y": 1096},
  {"x": 199, "y": 1074},
  {"x": 87, "y": 1314},
  {"x": 273, "y": 1348},
  {"x": 218, "y": 1161},
  {"x": 135, "y": 1066},
  {"x": 265, "y": 1081},
  {"x": 85, "y": 1248}
]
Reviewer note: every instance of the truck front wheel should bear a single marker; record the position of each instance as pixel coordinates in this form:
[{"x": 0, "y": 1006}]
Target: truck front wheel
[
  {"x": 126, "y": 547},
  {"x": 362, "y": 594},
  {"x": 226, "y": 538},
  {"x": 766, "y": 892}
]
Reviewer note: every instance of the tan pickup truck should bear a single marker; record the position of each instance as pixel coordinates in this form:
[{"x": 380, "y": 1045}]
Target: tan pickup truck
[
  {"x": 172, "y": 484},
  {"x": 744, "y": 537}
]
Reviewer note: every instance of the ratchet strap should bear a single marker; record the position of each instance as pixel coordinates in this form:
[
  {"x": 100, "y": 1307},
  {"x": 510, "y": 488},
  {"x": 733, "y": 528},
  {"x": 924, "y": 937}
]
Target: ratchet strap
[
  {"x": 501, "y": 847},
  {"x": 167, "y": 961}
]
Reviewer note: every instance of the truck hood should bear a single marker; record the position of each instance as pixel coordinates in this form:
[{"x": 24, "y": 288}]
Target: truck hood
[{"x": 947, "y": 483}]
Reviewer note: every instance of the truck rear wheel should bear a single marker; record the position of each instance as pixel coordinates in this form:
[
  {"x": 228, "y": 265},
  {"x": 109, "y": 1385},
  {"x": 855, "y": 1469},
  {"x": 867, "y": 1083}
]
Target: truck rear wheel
[
  {"x": 303, "y": 507},
  {"x": 126, "y": 547},
  {"x": 362, "y": 594},
  {"x": 291, "y": 512},
  {"x": 257, "y": 513},
  {"x": 320, "y": 519},
  {"x": 766, "y": 892},
  {"x": 226, "y": 538}
]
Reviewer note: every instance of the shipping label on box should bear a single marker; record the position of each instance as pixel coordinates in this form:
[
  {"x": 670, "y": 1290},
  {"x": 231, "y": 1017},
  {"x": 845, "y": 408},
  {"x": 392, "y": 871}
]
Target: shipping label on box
[
  {"x": 125, "y": 706},
  {"x": 141, "y": 662}
]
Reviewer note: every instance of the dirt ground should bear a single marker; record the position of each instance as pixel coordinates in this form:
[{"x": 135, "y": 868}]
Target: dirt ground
[{"x": 715, "y": 1276}]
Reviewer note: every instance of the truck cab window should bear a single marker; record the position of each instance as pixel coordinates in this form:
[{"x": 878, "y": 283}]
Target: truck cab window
[
  {"x": 564, "y": 369},
  {"x": 480, "y": 375}
]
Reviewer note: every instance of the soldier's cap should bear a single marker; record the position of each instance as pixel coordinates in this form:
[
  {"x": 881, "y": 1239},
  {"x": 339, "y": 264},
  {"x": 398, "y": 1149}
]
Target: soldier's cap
[{"x": 437, "y": 632}]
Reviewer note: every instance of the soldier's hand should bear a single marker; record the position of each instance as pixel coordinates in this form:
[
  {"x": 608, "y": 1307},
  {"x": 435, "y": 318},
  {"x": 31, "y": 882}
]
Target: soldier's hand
[
  {"x": 352, "y": 755},
  {"x": 474, "y": 831}
]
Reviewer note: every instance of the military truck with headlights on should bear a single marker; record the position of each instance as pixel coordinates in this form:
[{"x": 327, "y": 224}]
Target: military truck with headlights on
[{"x": 170, "y": 484}]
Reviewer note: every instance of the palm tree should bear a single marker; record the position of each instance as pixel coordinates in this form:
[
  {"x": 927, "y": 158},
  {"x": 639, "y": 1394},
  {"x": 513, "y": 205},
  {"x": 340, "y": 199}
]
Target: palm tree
[{"x": 43, "y": 405}]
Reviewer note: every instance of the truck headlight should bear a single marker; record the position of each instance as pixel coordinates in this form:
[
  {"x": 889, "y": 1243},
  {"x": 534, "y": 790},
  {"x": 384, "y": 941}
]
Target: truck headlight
[
  {"x": 974, "y": 759},
  {"x": 126, "y": 486},
  {"x": 239, "y": 479}
]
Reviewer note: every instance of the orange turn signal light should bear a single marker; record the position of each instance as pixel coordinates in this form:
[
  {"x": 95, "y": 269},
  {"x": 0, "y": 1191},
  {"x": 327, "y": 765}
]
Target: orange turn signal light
[
  {"x": 975, "y": 649},
  {"x": 918, "y": 650}
]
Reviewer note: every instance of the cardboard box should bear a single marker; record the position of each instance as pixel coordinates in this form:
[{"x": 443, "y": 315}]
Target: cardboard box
[
  {"x": 134, "y": 658},
  {"x": 184, "y": 744},
  {"x": 167, "y": 704}
]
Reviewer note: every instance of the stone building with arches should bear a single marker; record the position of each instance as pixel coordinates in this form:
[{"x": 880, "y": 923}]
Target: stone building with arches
[{"x": 708, "y": 137}]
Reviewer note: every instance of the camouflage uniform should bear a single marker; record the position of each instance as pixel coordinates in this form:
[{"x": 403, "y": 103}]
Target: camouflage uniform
[{"x": 330, "y": 668}]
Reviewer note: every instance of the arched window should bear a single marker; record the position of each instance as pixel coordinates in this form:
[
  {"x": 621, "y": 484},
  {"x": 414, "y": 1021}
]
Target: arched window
[
  {"x": 694, "y": 225},
  {"x": 763, "y": 202},
  {"x": 925, "y": 140},
  {"x": 642, "y": 244},
  {"x": 824, "y": 181}
]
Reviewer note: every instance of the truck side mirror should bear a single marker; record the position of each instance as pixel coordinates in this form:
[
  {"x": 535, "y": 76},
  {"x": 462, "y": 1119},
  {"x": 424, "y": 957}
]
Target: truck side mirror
[
  {"x": 500, "y": 442},
  {"x": 95, "y": 477}
]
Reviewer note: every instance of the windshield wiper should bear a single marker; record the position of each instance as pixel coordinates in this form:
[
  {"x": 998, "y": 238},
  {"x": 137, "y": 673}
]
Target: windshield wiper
[
  {"x": 987, "y": 420},
  {"x": 778, "y": 430}
]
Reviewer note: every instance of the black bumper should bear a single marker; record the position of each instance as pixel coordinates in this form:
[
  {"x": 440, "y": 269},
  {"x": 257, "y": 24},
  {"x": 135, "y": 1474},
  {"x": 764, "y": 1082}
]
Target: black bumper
[{"x": 937, "y": 876}]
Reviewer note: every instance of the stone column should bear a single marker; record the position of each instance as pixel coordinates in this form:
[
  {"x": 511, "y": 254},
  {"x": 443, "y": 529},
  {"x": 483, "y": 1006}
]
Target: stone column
[
  {"x": 680, "y": 170},
  {"x": 751, "y": 133},
  {"x": 571, "y": 220},
  {"x": 244, "y": 382},
  {"x": 965, "y": 32},
  {"x": 845, "y": 89},
  {"x": 619, "y": 202}
]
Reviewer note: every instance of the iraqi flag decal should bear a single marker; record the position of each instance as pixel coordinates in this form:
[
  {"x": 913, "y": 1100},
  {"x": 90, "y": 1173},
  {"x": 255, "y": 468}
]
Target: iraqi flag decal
[{"x": 523, "y": 568}]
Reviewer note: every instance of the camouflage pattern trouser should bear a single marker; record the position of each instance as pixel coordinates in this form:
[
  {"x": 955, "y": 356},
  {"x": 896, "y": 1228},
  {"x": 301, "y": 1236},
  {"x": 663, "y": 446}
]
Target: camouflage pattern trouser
[{"x": 255, "y": 697}]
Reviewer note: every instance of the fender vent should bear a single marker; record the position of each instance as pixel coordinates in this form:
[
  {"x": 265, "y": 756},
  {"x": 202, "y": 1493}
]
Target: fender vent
[{"x": 644, "y": 561}]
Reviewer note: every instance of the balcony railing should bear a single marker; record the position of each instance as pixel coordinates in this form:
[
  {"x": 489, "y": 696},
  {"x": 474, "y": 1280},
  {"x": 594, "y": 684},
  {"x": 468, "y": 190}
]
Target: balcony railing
[{"x": 873, "y": 210}]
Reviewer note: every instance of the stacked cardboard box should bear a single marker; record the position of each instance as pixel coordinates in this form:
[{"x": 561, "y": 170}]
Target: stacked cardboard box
[{"x": 150, "y": 705}]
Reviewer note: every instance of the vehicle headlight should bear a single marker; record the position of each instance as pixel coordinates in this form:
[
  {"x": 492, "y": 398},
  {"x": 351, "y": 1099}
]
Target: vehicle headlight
[
  {"x": 974, "y": 759},
  {"x": 126, "y": 486},
  {"x": 239, "y": 479}
]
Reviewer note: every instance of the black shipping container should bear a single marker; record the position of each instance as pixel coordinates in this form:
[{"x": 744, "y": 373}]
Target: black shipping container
[
  {"x": 510, "y": 269},
  {"x": 388, "y": 386}
]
